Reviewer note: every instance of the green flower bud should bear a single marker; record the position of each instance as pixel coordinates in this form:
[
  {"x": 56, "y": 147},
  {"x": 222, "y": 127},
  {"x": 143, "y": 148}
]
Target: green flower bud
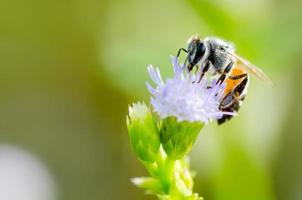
[
  {"x": 185, "y": 175},
  {"x": 178, "y": 137},
  {"x": 143, "y": 132},
  {"x": 151, "y": 185}
]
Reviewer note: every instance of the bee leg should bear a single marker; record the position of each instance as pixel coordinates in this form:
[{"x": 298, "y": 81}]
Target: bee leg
[
  {"x": 240, "y": 87},
  {"x": 231, "y": 101},
  {"x": 236, "y": 77},
  {"x": 234, "y": 95},
  {"x": 224, "y": 73},
  {"x": 204, "y": 70},
  {"x": 181, "y": 49},
  {"x": 232, "y": 108}
]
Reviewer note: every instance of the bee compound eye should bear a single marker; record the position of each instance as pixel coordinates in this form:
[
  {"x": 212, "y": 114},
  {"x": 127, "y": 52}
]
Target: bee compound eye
[{"x": 201, "y": 49}]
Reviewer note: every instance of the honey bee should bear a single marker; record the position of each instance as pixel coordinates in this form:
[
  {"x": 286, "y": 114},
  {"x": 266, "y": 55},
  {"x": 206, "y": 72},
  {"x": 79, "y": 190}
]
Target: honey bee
[{"x": 218, "y": 57}]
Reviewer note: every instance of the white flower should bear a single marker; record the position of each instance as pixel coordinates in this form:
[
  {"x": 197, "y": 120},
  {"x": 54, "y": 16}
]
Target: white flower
[{"x": 183, "y": 97}]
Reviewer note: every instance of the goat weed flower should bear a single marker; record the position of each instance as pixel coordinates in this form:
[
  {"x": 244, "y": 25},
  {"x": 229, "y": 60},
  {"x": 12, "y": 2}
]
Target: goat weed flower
[
  {"x": 183, "y": 105},
  {"x": 184, "y": 97}
]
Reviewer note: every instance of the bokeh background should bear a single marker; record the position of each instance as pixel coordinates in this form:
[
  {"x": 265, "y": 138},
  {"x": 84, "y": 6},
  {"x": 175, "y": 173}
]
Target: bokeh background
[{"x": 69, "y": 69}]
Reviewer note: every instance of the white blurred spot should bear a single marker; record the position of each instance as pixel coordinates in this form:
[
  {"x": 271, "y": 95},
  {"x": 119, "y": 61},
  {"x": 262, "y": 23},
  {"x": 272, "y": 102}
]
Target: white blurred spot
[{"x": 23, "y": 176}]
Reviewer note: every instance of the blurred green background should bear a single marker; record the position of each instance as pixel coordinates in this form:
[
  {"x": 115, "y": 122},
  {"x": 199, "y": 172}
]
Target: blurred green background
[{"x": 69, "y": 69}]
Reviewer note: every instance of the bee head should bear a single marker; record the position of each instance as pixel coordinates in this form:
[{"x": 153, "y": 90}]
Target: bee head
[{"x": 196, "y": 51}]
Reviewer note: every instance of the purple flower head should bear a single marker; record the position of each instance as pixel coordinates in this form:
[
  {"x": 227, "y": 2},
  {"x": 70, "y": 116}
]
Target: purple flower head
[{"x": 183, "y": 97}]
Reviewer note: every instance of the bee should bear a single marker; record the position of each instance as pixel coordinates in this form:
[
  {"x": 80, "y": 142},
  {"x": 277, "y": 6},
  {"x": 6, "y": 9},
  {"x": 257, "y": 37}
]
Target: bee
[{"x": 218, "y": 57}]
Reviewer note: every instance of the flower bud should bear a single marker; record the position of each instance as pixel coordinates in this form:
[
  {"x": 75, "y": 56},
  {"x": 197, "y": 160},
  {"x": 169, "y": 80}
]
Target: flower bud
[
  {"x": 178, "y": 137},
  {"x": 143, "y": 132},
  {"x": 151, "y": 185}
]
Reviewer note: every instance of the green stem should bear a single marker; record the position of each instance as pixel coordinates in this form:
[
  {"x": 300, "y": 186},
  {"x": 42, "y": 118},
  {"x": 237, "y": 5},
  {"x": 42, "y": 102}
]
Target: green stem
[{"x": 167, "y": 174}]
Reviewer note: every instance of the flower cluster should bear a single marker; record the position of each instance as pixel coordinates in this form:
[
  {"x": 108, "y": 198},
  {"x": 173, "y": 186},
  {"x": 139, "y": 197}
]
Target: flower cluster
[
  {"x": 184, "y": 105},
  {"x": 184, "y": 97}
]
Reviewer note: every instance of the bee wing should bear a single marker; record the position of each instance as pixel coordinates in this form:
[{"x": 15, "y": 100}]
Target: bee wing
[{"x": 252, "y": 69}]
